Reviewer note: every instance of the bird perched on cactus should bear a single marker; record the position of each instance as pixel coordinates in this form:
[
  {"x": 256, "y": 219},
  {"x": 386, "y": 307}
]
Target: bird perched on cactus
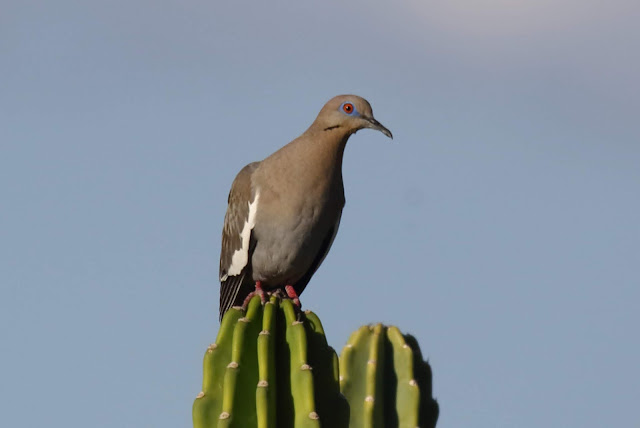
[{"x": 284, "y": 211}]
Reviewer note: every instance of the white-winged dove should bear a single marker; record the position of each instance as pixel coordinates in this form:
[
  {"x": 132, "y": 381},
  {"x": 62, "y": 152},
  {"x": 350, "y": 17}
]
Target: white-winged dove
[{"x": 284, "y": 211}]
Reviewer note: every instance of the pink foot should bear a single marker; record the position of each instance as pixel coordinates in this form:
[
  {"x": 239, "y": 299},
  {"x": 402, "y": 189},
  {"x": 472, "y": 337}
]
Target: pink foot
[
  {"x": 291, "y": 292},
  {"x": 258, "y": 292}
]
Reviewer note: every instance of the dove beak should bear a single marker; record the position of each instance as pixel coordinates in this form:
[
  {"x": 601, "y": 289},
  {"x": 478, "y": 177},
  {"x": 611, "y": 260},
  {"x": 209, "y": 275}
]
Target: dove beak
[{"x": 374, "y": 124}]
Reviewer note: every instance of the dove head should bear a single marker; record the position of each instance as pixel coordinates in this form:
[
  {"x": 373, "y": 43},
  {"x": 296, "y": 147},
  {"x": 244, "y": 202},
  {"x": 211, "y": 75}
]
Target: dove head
[{"x": 348, "y": 114}]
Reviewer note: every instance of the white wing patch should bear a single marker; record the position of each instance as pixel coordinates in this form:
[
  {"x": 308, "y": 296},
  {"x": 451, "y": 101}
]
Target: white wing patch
[{"x": 240, "y": 257}]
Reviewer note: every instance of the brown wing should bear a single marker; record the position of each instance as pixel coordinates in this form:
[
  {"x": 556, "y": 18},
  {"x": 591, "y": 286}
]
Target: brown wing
[
  {"x": 235, "y": 261},
  {"x": 300, "y": 285}
]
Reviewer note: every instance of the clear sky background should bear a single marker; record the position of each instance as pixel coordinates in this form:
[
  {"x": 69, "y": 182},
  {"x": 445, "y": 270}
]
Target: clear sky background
[{"x": 501, "y": 226}]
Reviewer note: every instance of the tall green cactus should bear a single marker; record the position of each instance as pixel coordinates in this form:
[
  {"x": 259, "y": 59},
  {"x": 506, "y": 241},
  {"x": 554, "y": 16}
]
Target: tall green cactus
[
  {"x": 270, "y": 368},
  {"x": 385, "y": 380}
]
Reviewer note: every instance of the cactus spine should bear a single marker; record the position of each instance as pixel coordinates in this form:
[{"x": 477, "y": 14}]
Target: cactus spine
[
  {"x": 385, "y": 380},
  {"x": 270, "y": 368}
]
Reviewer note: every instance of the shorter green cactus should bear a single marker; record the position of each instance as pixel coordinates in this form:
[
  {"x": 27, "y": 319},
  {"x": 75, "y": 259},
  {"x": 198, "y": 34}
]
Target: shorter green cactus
[
  {"x": 270, "y": 367},
  {"x": 386, "y": 381}
]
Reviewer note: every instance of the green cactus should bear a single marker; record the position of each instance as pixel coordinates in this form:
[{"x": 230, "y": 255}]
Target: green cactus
[
  {"x": 270, "y": 367},
  {"x": 386, "y": 381}
]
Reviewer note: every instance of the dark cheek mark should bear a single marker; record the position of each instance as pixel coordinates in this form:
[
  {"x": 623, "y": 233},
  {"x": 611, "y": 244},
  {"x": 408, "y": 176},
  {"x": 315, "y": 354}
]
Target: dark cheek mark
[{"x": 332, "y": 127}]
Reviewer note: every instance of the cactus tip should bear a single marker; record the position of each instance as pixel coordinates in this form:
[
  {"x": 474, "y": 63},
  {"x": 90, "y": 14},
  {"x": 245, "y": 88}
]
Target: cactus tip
[
  {"x": 371, "y": 362},
  {"x": 369, "y": 399},
  {"x": 413, "y": 382},
  {"x": 244, "y": 319},
  {"x": 224, "y": 415},
  {"x": 200, "y": 394},
  {"x": 297, "y": 323},
  {"x": 232, "y": 365},
  {"x": 314, "y": 415},
  {"x": 263, "y": 384},
  {"x": 264, "y": 332},
  {"x": 305, "y": 366}
]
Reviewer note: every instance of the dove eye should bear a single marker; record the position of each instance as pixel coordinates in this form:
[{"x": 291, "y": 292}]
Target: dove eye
[{"x": 348, "y": 108}]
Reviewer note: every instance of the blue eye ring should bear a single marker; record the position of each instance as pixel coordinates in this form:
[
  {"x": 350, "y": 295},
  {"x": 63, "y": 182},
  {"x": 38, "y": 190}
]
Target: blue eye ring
[{"x": 348, "y": 108}]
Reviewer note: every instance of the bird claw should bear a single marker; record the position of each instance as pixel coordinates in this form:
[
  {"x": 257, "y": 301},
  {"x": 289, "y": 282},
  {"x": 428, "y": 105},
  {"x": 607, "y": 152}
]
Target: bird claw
[
  {"x": 257, "y": 292},
  {"x": 291, "y": 293}
]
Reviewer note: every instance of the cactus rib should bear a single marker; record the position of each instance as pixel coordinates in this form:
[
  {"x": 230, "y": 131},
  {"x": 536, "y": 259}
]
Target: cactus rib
[
  {"x": 386, "y": 381},
  {"x": 271, "y": 367}
]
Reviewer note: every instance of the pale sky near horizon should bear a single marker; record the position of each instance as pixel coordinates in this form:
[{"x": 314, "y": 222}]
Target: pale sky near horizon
[{"x": 500, "y": 226}]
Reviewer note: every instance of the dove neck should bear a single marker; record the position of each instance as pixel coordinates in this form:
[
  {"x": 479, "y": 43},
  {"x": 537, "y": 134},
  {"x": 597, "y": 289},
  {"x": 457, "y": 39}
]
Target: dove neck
[{"x": 328, "y": 149}]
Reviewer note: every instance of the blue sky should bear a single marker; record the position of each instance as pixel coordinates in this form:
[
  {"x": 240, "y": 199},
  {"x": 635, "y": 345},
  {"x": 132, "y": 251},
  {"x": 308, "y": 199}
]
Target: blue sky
[{"x": 500, "y": 226}]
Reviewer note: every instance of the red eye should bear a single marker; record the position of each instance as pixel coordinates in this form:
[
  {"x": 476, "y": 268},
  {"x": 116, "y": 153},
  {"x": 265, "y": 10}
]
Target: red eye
[{"x": 348, "y": 108}]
